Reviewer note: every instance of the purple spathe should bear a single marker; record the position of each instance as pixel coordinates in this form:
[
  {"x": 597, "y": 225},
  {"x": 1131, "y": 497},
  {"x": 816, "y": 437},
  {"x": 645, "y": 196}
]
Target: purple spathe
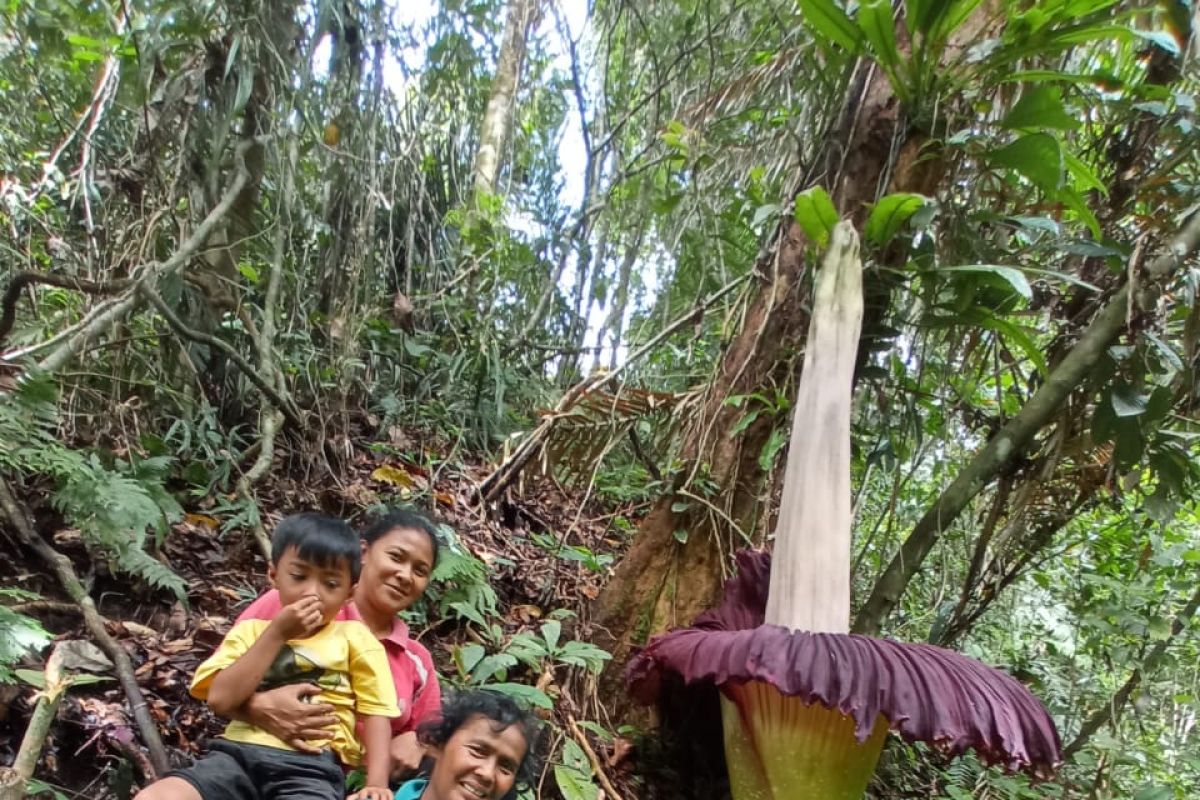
[{"x": 927, "y": 693}]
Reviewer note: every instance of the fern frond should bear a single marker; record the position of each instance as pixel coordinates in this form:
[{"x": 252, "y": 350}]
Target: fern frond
[{"x": 140, "y": 564}]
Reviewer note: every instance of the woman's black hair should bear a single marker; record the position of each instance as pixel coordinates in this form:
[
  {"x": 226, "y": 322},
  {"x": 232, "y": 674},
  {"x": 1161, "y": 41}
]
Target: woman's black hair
[
  {"x": 407, "y": 519},
  {"x": 502, "y": 711}
]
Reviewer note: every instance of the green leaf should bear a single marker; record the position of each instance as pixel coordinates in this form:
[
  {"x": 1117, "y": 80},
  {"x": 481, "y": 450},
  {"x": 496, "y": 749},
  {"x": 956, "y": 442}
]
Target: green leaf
[
  {"x": 816, "y": 214},
  {"x": 248, "y": 272},
  {"x": 468, "y": 657},
  {"x": 35, "y": 787},
  {"x": 935, "y": 19},
  {"x": 1040, "y": 107},
  {"x": 574, "y": 757},
  {"x": 831, "y": 24},
  {"x": 1128, "y": 402},
  {"x": 764, "y": 213},
  {"x": 1037, "y": 156},
  {"x": 1085, "y": 178},
  {"x": 1013, "y": 276},
  {"x": 890, "y": 214},
  {"x": 86, "y": 680},
  {"x": 574, "y": 784},
  {"x": 1075, "y": 202},
  {"x": 875, "y": 22},
  {"x": 32, "y": 677},
  {"x": 530, "y": 695},
  {"x": 744, "y": 422},
  {"x": 775, "y": 443},
  {"x": 551, "y": 631}
]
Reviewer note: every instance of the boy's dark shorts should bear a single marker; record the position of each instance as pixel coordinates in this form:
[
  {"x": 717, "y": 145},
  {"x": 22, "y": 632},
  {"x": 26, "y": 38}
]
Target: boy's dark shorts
[{"x": 239, "y": 771}]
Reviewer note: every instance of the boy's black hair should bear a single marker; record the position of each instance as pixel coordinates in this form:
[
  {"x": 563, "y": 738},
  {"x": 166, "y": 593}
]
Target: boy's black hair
[
  {"x": 406, "y": 519},
  {"x": 502, "y": 711},
  {"x": 323, "y": 540}
]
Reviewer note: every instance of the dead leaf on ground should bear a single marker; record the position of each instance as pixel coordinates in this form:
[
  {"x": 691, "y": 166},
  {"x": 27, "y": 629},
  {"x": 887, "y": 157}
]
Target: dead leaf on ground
[
  {"x": 395, "y": 476},
  {"x": 202, "y": 521},
  {"x": 138, "y": 629},
  {"x": 526, "y": 613},
  {"x": 79, "y": 654}
]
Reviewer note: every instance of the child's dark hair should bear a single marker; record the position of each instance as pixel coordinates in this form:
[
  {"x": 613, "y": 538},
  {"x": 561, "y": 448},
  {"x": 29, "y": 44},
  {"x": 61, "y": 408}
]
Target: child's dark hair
[
  {"x": 325, "y": 541},
  {"x": 502, "y": 711},
  {"x": 406, "y": 519}
]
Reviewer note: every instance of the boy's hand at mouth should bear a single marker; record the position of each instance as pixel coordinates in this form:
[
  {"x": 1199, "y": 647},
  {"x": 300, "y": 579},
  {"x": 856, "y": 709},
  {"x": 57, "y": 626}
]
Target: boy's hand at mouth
[{"x": 299, "y": 619}]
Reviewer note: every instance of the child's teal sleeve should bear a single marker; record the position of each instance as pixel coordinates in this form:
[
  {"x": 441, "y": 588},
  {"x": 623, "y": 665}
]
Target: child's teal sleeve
[{"x": 410, "y": 790}]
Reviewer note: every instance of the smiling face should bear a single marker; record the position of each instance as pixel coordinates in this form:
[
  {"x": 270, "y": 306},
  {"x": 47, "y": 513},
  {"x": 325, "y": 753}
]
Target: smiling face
[
  {"x": 395, "y": 571},
  {"x": 296, "y": 578},
  {"x": 478, "y": 762}
]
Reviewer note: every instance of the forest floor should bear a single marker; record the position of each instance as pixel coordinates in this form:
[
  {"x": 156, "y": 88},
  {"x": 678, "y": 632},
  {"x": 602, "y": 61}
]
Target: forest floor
[{"x": 88, "y": 751}]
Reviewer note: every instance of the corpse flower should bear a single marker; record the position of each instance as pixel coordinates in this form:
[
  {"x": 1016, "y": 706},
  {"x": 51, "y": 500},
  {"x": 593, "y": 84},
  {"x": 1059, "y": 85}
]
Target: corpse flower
[{"x": 806, "y": 706}]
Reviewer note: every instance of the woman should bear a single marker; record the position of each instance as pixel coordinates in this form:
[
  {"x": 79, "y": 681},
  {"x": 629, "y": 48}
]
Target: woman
[
  {"x": 484, "y": 745},
  {"x": 399, "y": 552}
]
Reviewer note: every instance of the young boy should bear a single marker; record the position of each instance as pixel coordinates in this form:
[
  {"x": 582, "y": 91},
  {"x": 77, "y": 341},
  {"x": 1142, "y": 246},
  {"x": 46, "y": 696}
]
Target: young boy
[{"x": 315, "y": 562}]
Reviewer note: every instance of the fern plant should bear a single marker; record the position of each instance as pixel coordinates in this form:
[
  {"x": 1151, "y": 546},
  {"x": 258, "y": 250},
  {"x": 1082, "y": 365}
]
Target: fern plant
[
  {"x": 19, "y": 635},
  {"x": 114, "y": 507}
]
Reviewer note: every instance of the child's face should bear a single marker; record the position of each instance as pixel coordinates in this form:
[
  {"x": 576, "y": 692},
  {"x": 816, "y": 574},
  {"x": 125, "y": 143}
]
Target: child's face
[
  {"x": 297, "y": 578},
  {"x": 477, "y": 762}
]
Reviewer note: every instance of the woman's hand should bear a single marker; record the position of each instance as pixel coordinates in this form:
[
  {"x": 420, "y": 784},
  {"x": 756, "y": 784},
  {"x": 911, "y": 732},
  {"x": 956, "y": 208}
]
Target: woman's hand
[
  {"x": 407, "y": 753},
  {"x": 286, "y": 714},
  {"x": 372, "y": 793}
]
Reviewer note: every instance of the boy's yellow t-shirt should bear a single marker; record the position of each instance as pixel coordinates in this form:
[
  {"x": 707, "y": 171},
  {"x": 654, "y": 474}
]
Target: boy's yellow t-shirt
[{"x": 344, "y": 659}]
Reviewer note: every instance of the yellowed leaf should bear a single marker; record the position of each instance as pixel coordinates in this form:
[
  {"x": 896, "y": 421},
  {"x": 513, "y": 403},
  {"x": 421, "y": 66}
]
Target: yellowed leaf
[
  {"x": 396, "y": 476},
  {"x": 202, "y": 521}
]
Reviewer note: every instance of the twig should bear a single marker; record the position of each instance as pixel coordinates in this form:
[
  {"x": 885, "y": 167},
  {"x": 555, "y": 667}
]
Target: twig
[
  {"x": 597, "y": 767},
  {"x": 45, "y": 607},
  {"x": 65, "y": 572},
  {"x": 279, "y": 402}
]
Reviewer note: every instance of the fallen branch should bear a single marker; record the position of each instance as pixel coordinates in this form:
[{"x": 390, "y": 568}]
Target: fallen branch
[
  {"x": 61, "y": 566},
  {"x": 14, "y": 779},
  {"x": 1012, "y": 439}
]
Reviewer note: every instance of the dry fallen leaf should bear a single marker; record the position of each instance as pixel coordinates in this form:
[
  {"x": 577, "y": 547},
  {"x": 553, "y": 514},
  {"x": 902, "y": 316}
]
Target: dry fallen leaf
[
  {"x": 526, "y": 613},
  {"x": 202, "y": 521},
  {"x": 138, "y": 629},
  {"x": 396, "y": 476}
]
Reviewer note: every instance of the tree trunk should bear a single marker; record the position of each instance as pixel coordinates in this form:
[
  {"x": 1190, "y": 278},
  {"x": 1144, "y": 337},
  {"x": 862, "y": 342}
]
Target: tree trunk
[
  {"x": 497, "y": 119},
  {"x": 678, "y": 560}
]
